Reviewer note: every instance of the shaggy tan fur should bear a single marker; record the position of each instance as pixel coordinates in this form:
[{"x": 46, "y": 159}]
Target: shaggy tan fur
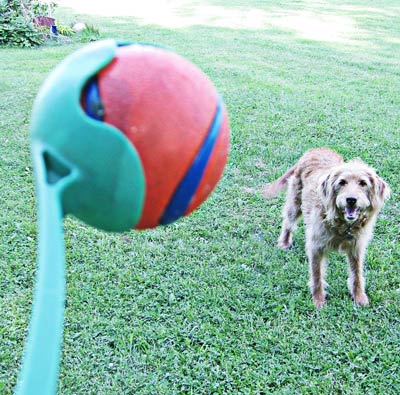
[{"x": 339, "y": 202}]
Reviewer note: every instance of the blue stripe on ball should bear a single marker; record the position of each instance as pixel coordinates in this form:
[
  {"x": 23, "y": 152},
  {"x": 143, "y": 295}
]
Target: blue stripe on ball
[
  {"x": 93, "y": 105},
  {"x": 183, "y": 194}
]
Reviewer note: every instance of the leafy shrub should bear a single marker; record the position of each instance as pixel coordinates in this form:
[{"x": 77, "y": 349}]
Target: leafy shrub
[
  {"x": 16, "y": 26},
  {"x": 17, "y": 32}
]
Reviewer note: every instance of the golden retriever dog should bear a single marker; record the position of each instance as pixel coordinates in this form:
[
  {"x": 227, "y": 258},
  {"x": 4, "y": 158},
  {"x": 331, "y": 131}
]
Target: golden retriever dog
[{"x": 339, "y": 202}]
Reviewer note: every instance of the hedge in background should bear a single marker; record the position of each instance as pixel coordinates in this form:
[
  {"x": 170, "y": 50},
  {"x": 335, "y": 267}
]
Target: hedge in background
[{"x": 16, "y": 22}]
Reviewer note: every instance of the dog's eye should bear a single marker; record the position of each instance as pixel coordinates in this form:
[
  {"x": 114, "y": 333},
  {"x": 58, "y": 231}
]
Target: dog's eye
[
  {"x": 342, "y": 182},
  {"x": 362, "y": 183}
]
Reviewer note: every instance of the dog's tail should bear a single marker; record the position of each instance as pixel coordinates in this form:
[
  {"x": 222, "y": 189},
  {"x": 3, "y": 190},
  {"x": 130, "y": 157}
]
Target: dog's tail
[{"x": 274, "y": 188}]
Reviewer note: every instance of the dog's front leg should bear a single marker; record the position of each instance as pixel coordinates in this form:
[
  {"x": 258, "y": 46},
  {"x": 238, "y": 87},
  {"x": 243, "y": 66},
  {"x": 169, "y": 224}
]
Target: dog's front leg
[
  {"x": 291, "y": 212},
  {"x": 356, "y": 282},
  {"x": 317, "y": 284}
]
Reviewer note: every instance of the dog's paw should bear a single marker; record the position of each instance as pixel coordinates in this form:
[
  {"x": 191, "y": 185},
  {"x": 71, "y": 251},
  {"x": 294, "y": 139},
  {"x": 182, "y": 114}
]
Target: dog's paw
[
  {"x": 285, "y": 241},
  {"x": 319, "y": 300},
  {"x": 283, "y": 245},
  {"x": 361, "y": 299}
]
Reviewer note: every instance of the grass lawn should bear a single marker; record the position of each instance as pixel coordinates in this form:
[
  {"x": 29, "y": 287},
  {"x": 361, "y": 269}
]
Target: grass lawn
[{"x": 209, "y": 305}]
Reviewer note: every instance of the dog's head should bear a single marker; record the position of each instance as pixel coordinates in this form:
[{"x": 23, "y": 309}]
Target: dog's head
[{"x": 351, "y": 190}]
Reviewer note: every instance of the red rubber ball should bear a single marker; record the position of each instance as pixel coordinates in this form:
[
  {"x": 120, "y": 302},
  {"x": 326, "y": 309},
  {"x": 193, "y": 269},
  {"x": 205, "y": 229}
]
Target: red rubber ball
[{"x": 167, "y": 107}]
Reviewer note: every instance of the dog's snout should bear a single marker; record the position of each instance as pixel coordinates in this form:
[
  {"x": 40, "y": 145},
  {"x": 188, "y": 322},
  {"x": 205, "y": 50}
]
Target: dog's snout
[{"x": 351, "y": 201}]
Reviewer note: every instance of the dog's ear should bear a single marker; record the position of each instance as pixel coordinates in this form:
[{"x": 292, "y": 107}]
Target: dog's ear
[
  {"x": 326, "y": 194},
  {"x": 380, "y": 190},
  {"x": 324, "y": 187}
]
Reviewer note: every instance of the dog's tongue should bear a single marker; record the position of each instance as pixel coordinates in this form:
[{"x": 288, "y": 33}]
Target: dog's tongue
[{"x": 351, "y": 212}]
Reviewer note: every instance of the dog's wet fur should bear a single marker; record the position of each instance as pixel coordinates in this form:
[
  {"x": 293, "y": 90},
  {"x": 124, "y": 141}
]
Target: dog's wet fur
[{"x": 339, "y": 202}]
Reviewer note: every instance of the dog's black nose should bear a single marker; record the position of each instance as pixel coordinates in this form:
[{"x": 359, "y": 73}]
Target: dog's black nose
[{"x": 351, "y": 201}]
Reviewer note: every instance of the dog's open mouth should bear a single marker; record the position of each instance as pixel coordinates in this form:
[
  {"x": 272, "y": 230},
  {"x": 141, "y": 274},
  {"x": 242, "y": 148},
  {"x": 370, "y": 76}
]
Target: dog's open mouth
[{"x": 351, "y": 213}]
